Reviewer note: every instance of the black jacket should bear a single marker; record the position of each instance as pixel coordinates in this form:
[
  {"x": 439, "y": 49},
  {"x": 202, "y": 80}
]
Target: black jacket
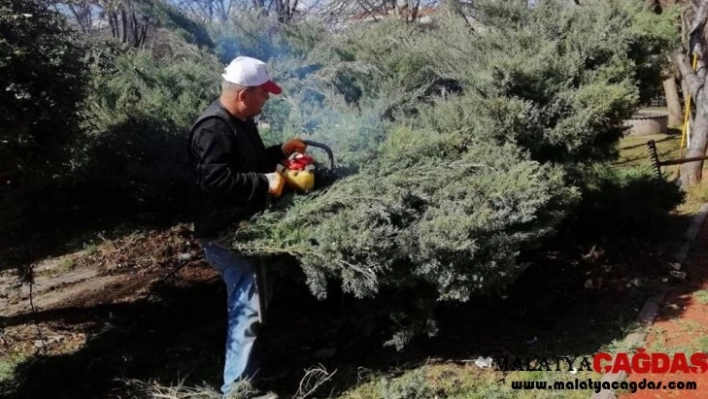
[{"x": 229, "y": 161}]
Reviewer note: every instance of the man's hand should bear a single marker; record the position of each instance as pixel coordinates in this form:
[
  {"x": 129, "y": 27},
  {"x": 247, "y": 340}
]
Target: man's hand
[
  {"x": 294, "y": 145},
  {"x": 276, "y": 181}
]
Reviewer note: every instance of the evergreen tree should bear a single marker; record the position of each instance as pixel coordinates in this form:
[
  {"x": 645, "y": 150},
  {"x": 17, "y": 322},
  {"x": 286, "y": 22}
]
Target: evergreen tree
[{"x": 462, "y": 148}]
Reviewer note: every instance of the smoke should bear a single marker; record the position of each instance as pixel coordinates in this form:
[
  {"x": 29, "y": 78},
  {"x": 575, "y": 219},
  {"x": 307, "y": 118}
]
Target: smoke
[{"x": 320, "y": 100}]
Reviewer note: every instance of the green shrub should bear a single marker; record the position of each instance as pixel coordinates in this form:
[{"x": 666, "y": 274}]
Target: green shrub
[
  {"x": 443, "y": 190},
  {"x": 412, "y": 385},
  {"x": 625, "y": 205},
  {"x": 42, "y": 75},
  {"x": 423, "y": 214},
  {"x": 138, "y": 116},
  {"x": 556, "y": 79},
  {"x": 42, "y": 84}
]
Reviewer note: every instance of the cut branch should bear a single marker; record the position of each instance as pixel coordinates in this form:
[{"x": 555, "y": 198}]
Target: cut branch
[{"x": 313, "y": 379}]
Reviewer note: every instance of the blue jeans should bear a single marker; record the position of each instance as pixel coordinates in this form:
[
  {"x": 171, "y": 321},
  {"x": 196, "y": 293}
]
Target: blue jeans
[{"x": 239, "y": 274}]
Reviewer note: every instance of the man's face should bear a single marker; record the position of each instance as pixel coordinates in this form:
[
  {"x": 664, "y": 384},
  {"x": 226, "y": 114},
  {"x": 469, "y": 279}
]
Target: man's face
[{"x": 253, "y": 99}]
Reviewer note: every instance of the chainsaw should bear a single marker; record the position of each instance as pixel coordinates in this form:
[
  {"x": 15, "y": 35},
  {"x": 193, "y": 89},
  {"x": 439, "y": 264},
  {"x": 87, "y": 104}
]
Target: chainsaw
[{"x": 303, "y": 174}]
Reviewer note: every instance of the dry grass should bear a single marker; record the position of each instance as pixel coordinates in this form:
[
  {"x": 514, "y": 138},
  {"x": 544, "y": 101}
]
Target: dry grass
[
  {"x": 314, "y": 379},
  {"x": 634, "y": 151},
  {"x": 154, "y": 390}
]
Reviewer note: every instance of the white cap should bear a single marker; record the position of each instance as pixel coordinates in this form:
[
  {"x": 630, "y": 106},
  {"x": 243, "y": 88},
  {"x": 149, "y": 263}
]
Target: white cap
[{"x": 250, "y": 72}]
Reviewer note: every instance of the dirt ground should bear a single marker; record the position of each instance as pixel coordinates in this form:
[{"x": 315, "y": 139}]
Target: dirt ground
[
  {"x": 682, "y": 326},
  {"x": 116, "y": 313},
  {"x": 120, "y": 270}
]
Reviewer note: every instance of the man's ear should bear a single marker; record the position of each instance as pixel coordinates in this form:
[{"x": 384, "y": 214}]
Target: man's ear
[{"x": 242, "y": 95}]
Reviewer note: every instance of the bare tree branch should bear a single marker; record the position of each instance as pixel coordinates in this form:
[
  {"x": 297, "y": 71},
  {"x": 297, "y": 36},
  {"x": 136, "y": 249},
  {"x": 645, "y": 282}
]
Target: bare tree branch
[
  {"x": 456, "y": 7},
  {"x": 699, "y": 20}
]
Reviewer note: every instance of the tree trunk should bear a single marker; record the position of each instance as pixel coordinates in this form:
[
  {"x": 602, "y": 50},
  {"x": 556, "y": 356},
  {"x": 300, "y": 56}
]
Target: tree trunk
[
  {"x": 124, "y": 19},
  {"x": 684, "y": 93},
  {"x": 691, "y": 173},
  {"x": 672, "y": 101},
  {"x": 113, "y": 23}
]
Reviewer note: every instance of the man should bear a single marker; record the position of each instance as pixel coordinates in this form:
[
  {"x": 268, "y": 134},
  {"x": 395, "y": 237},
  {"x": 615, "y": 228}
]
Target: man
[{"x": 235, "y": 178}]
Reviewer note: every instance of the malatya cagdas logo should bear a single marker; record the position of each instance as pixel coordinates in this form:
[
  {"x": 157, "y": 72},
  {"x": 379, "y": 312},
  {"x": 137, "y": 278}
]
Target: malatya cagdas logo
[
  {"x": 640, "y": 362},
  {"x": 655, "y": 363}
]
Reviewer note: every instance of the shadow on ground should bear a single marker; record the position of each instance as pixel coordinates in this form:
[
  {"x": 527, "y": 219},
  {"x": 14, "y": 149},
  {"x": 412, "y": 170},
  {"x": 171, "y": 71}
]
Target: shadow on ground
[
  {"x": 683, "y": 295},
  {"x": 179, "y": 332},
  {"x": 176, "y": 331}
]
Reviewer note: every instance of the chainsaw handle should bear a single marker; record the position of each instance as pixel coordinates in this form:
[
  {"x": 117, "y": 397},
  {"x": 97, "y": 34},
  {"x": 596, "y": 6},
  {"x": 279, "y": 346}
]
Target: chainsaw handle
[{"x": 325, "y": 148}]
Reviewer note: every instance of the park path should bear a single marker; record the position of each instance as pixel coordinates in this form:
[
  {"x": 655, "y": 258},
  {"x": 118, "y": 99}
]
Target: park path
[{"x": 681, "y": 326}]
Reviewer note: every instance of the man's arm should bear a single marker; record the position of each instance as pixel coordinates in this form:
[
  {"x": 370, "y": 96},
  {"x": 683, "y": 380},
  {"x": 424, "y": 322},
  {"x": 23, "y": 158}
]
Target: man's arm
[
  {"x": 275, "y": 154},
  {"x": 213, "y": 150}
]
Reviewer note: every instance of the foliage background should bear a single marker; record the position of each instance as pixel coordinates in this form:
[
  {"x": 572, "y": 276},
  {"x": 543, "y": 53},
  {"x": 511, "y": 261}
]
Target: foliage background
[{"x": 464, "y": 148}]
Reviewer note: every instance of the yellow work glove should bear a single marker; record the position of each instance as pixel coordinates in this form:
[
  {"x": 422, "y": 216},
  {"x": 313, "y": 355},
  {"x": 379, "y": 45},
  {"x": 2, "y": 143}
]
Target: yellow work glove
[
  {"x": 293, "y": 145},
  {"x": 276, "y": 181}
]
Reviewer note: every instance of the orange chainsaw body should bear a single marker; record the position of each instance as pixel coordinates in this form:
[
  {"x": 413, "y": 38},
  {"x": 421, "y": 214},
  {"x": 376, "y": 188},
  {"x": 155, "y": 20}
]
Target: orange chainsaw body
[{"x": 299, "y": 172}]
